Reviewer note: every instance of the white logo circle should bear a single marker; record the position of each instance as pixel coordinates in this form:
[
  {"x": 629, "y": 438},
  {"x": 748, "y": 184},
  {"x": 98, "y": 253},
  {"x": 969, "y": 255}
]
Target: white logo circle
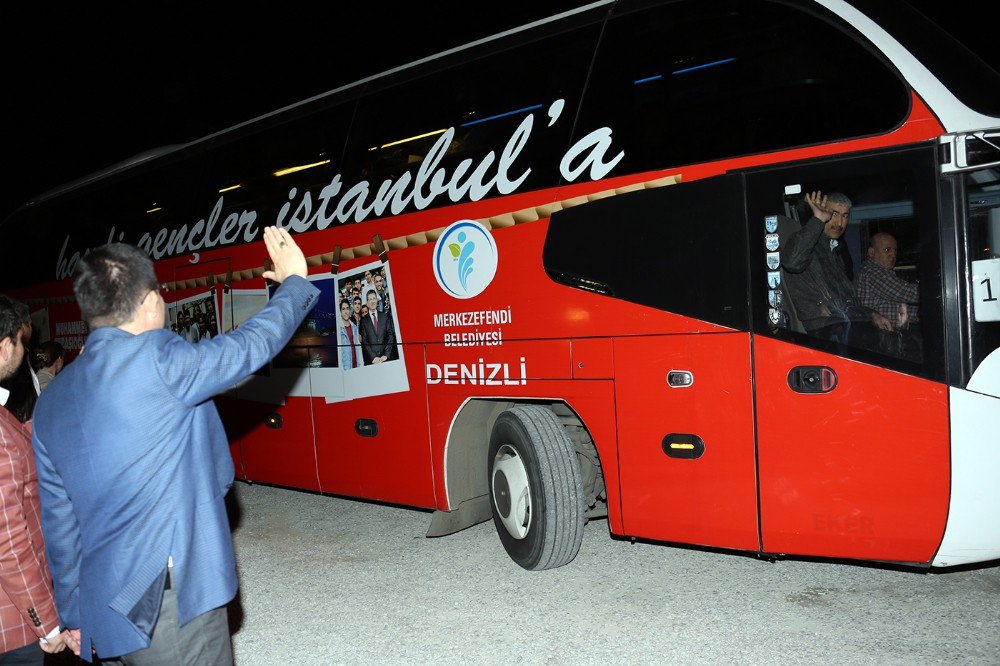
[{"x": 465, "y": 259}]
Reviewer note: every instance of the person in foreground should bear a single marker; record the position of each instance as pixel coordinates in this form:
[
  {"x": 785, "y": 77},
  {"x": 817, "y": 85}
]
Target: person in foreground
[
  {"x": 133, "y": 463},
  {"x": 28, "y": 620}
]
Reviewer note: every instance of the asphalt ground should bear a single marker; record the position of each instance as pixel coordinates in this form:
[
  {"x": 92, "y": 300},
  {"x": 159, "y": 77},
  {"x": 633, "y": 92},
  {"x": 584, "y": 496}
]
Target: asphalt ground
[{"x": 332, "y": 581}]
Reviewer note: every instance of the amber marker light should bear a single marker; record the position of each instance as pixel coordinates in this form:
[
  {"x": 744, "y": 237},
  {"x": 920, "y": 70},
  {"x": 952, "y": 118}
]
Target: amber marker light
[
  {"x": 577, "y": 315},
  {"x": 231, "y": 187},
  {"x": 153, "y": 210},
  {"x": 684, "y": 446}
]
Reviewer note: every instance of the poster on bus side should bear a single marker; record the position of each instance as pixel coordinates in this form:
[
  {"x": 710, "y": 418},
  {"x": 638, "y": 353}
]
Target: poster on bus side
[
  {"x": 349, "y": 345},
  {"x": 238, "y": 305},
  {"x": 370, "y": 343},
  {"x": 194, "y": 318}
]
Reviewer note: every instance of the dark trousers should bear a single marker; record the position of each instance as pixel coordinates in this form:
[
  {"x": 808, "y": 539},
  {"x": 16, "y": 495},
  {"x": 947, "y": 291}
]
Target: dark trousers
[
  {"x": 204, "y": 641},
  {"x": 29, "y": 655}
]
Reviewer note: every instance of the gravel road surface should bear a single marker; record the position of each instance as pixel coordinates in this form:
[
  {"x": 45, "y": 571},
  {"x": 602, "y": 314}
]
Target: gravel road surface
[{"x": 332, "y": 581}]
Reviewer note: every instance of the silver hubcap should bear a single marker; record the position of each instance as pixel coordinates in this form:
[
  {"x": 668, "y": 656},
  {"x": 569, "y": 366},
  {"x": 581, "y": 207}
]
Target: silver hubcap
[{"x": 511, "y": 494}]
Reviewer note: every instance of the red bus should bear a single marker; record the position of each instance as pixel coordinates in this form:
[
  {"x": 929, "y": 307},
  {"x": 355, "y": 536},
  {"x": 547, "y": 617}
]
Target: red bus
[{"x": 557, "y": 281}]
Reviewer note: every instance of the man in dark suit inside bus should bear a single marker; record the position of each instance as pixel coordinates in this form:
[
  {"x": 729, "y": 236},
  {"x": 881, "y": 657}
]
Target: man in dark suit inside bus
[
  {"x": 378, "y": 336},
  {"x": 134, "y": 464}
]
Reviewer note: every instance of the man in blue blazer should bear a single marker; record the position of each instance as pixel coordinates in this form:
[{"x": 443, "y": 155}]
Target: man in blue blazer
[{"x": 134, "y": 465}]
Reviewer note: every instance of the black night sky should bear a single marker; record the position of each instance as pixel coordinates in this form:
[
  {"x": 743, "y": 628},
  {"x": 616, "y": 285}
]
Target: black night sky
[{"x": 87, "y": 85}]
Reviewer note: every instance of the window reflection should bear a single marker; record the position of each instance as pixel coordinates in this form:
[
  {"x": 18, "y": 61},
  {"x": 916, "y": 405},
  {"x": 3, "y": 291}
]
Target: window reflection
[
  {"x": 462, "y": 118},
  {"x": 688, "y": 82}
]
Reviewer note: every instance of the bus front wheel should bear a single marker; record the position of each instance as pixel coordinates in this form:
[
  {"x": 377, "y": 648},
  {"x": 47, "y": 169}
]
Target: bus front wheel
[{"x": 536, "y": 488}]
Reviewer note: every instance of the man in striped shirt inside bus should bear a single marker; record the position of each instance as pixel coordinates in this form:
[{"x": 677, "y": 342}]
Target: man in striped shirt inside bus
[{"x": 880, "y": 289}]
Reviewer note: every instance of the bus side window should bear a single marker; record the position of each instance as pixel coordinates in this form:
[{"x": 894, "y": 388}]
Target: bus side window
[
  {"x": 273, "y": 171},
  {"x": 693, "y": 81},
  {"x": 679, "y": 248},
  {"x": 462, "y": 115},
  {"x": 883, "y": 223}
]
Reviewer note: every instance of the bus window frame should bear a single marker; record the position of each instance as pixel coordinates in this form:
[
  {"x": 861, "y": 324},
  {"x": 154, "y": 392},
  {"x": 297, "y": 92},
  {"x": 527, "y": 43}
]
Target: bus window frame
[
  {"x": 958, "y": 258},
  {"x": 764, "y": 191}
]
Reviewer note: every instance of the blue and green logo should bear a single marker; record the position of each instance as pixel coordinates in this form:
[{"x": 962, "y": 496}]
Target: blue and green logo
[{"x": 465, "y": 259}]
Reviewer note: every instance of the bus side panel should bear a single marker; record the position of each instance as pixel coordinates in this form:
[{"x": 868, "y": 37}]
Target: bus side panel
[
  {"x": 860, "y": 472},
  {"x": 710, "y": 500},
  {"x": 343, "y": 455},
  {"x": 284, "y": 455},
  {"x": 394, "y": 465}
]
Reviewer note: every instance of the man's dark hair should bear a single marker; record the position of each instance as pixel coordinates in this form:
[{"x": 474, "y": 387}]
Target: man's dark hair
[
  {"x": 110, "y": 283},
  {"x": 13, "y": 315},
  {"x": 46, "y": 354}
]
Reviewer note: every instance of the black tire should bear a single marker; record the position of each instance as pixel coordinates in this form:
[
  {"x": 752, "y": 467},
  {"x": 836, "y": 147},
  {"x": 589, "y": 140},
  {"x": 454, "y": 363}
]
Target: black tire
[{"x": 549, "y": 533}]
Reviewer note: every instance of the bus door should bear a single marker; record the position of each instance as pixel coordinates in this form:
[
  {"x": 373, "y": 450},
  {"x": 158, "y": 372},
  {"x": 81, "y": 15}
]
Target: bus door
[
  {"x": 376, "y": 444},
  {"x": 269, "y": 413},
  {"x": 851, "y": 401},
  {"x": 972, "y": 197}
]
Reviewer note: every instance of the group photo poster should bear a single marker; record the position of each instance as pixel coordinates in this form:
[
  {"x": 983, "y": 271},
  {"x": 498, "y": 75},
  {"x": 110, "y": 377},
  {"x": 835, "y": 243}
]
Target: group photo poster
[
  {"x": 194, "y": 318},
  {"x": 348, "y": 346},
  {"x": 370, "y": 341}
]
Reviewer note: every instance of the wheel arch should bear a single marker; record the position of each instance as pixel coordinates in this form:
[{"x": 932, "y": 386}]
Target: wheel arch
[{"x": 466, "y": 482}]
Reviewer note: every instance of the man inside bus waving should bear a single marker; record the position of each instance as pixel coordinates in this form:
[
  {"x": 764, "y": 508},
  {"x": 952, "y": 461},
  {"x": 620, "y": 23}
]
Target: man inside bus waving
[
  {"x": 133, "y": 462},
  {"x": 819, "y": 288}
]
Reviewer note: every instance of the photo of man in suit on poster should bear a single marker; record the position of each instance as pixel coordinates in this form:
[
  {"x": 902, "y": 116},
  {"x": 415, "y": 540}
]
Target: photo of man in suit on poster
[{"x": 378, "y": 335}]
